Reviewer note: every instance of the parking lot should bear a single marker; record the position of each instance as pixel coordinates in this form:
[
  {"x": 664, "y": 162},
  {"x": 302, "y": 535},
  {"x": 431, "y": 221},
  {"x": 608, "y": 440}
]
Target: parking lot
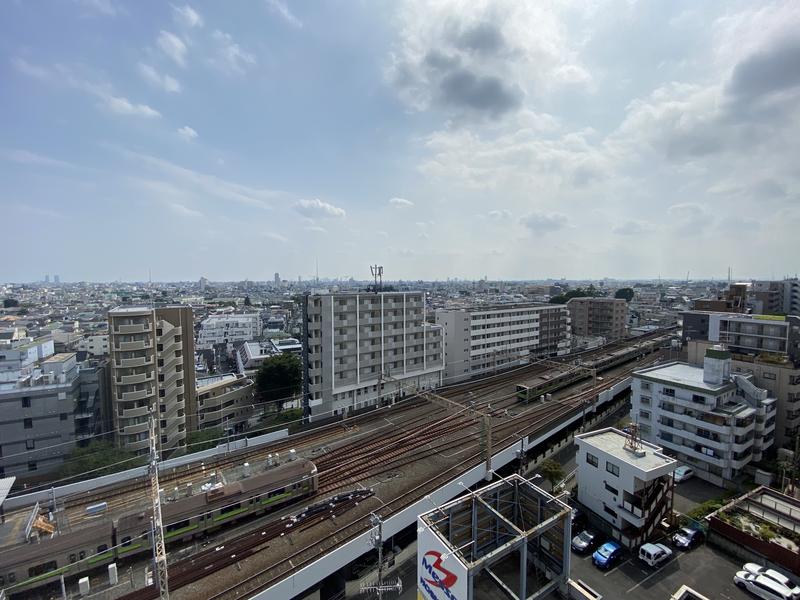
[{"x": 704, "y": 569}]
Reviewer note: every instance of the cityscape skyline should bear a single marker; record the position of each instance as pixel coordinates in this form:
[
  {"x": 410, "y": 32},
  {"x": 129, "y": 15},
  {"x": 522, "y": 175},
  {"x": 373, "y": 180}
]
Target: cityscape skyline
[{"x": 465, "y": 138}]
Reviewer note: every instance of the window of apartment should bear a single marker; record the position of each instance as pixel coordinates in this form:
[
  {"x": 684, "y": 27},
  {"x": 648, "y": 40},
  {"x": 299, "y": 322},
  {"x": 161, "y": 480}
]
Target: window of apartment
[
  {"x": 159, "y": 332},
  {"x": 645, "y": 385},
  {"x": 163, "y": 439},
  {"x": 591, "y": 459},
  {"x": 612, "y": 468},
  {"x": 698, "y": 399},
  {"x": 26, "y": 402},
  {"x": 32, "y": 466},
  {"x": 644, "y": 414},
  {"x": 612, "y": 490},
  {"x": 669, "y": 392},
  {"x": 28, "y": 423},
  {"x": 63, "y": 416},
  {"x": 644, "y": 400},
  {"x": 770, "y": 376},
  {"x": 610, "y": 512},
  {"x": 30, "y": 444}
]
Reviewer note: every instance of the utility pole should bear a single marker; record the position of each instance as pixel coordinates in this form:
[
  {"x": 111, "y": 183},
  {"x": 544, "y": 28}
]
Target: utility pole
[
  {"x": 376, "y": 537},
  {"x": 159, "y": 552}
]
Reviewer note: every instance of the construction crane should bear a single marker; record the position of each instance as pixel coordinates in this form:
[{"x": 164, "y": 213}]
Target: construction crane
[{"x": 156, "y": 526}]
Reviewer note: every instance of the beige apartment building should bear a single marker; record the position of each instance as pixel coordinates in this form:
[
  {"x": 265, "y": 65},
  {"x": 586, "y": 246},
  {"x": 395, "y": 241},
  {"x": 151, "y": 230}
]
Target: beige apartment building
[
  {"x": 152, "y": 362},
  {"x": 593, "y": 317}
]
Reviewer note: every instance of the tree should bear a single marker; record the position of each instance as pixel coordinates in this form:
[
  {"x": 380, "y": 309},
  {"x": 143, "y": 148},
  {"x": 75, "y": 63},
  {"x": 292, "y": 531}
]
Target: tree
[
  {"x": 279, "y": 378},
  {"x": 625, "y": 293},
  {"x": 10, "y": 303},
  {"x": 203, "y": 439},
  {"x": 551, "y": 471},
  {"x": 98, "y": 458},
  {"x": 576, "y": 293}
]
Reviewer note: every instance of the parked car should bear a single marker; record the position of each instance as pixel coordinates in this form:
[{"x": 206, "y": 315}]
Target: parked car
[
  {"x": 585, "y": 541},
  {"x": 776, "y": 576},
  {"x": 654, "y": 555},
  {"x": 607, "y": 555},
  {"x": 682, "y": 473},
  {"x": 687, "y": 537},
  {"x": 762, "y": 586}
]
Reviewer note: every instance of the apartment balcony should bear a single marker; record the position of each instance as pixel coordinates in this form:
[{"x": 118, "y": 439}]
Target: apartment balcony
[
  {"x": 137, "y": 428},
  {"x": 338, "y": 339},
  {"x": 133, "y": 413},
  {"x": 690, "y": 451},
  {"x": 134, "y": 379},
  {"x": 142, "y": 344},
  {"x": 712, "y": 441},
  {"x": 744, "y": 429},
  {"x": 135, "y": 328},
  {"x": 139, "y": 361}
]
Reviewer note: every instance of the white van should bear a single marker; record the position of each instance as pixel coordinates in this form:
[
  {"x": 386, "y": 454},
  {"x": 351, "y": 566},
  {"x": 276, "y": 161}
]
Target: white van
[
  {"x": 762, "y": 586},
  {"x": 654, "y": 554}
]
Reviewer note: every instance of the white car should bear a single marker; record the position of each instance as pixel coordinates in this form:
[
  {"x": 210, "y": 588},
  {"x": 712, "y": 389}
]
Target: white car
[
  {"x": 654, "y": 554},
  {"x": 683, "y": 473},
  {"x": 776, "y": 576},
  {"x": 762, "y": 586}
]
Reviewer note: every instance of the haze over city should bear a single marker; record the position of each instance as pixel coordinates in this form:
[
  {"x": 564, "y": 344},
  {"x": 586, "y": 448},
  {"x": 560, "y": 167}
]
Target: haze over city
[{"x": 512, "y": 140}]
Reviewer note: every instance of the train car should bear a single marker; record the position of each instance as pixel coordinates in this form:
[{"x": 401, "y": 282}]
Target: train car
[
  {"x": 204, "y": 512},
  {"x": 27, "y": 565}
]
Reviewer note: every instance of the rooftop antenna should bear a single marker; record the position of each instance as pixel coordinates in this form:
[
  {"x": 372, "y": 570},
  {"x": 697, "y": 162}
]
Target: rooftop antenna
[
  {"x": 633, "y": 439},
  {"x": 377, "y": 274}
]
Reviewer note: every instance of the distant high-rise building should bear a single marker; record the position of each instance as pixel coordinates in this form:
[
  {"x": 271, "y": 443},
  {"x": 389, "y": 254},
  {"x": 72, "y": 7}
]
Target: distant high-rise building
[
  {"x": 56, "y": 278},
  {"x": 47, "y": 278},
  {"x": 203, "y": 284},
  {"x": 277, "y": 278},
  {"x": 152, "y": 369}
]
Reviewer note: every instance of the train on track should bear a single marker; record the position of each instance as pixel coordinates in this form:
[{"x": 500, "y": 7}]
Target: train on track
[{"x": 101, "y": 541}]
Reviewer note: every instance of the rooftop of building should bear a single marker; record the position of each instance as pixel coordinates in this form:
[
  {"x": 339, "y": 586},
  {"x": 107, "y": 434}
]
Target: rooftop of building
[
  {"x": 612, "y": 442},
  {"x": 499, "y": 306},
  {"x": 597, "y": 299},
  {"x": 742, "y": 316},
  {"x": 682, "y": 375},
  {"x": 60, "y": 357},
  {"x": 123, "y": 310}
]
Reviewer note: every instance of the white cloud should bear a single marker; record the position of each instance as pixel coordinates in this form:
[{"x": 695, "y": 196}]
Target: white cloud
[
  {"x": 400, "y": 202},
  {"x": 316, "y": 208},
  {"x": 156, "y": 79},
  {"x": 30, "y": 158},
  {"x": 276, "y": 237},
  {"x": 230, "y": 57},
  {"x": 545, "y": 222},
  {"x": 183, "y": 210},
  {"x": 108, "y": 8},
  {"x": 123, "y": 106},
  {"x": 187, "y": 133},
  {"x": 499, "y": 214},
  {"x": 109, "y": 100},
  {"x": 632, "y": 227},
  {"x": 315, "y": 229},
  {"x": 173, "y": 47},
  {"x": 187, "y": 16},
  {"x": 279, "y": 7}
]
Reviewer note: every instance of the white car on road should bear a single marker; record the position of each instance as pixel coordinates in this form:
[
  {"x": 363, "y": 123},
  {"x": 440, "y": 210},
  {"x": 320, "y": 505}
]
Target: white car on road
[{"x": 682, "y": 473}]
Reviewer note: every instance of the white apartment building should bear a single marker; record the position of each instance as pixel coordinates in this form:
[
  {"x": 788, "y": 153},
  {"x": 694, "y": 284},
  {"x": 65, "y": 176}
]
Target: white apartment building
[
  {"x": 250, "y": 355},
  {"x": 708, "y": 417},
  {"x": 227, "y": 329},
  {"x": 94, "y": 345},
  {"x": 482, "y": 339},
  {"x": 362, "y": 348},
  {"x": 224, "y": 401},
  {"x": 630, "y": 487}
]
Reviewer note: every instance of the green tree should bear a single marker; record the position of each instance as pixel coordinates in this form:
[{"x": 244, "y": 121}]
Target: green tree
[
  {"x": 10, "y": 302},
  {"x": 551, "y": 471},
  {"x": 203, "y": 439},
  {"x": 98, "y": 458},
  {"x": 278, "y": 378},
  {"x": 576, "y": 293},
  {"x": 625, "y": 293}
]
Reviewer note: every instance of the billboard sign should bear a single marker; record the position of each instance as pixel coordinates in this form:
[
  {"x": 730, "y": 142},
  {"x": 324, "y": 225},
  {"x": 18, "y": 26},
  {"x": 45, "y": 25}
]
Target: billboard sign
[{"x": 440, "y": 573}]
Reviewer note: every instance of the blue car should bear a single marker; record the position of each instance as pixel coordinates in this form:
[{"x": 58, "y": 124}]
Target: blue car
[{"x": 607, "y": 555}]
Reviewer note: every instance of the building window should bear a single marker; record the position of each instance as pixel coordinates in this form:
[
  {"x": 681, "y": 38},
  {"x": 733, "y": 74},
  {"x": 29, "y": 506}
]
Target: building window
[
  {"x": 28, "y": 423},
  {"x": 26, "y": 402},
  {"x": 698, "y": 399},
  {"x": 591, "y": 459},
  {"x": 610, "y": 512},
  {"x": 770, "y": 376},
  {"x": 669, "y": 392},
  {"x": 63, "y": 416},
  {"x": 612, "y": 468},
  {"x": 30, "y": 444},
  {"x": 611, "y": 490},
  {"x": 31, "y": 466},
  {"x": 645, "y": 385},
  {"x": 644, "y": 414}
]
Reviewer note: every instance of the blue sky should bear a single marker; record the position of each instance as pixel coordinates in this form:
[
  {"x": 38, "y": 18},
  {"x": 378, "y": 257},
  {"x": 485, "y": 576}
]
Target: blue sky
[{"x": 448, "y": 138}]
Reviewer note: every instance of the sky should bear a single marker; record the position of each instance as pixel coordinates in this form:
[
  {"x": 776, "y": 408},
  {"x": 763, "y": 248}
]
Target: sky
[{"x": 513, "y": 140}]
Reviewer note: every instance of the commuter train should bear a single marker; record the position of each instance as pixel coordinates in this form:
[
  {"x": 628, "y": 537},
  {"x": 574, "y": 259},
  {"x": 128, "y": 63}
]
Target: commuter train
[{"x": 103, "y": 541}]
